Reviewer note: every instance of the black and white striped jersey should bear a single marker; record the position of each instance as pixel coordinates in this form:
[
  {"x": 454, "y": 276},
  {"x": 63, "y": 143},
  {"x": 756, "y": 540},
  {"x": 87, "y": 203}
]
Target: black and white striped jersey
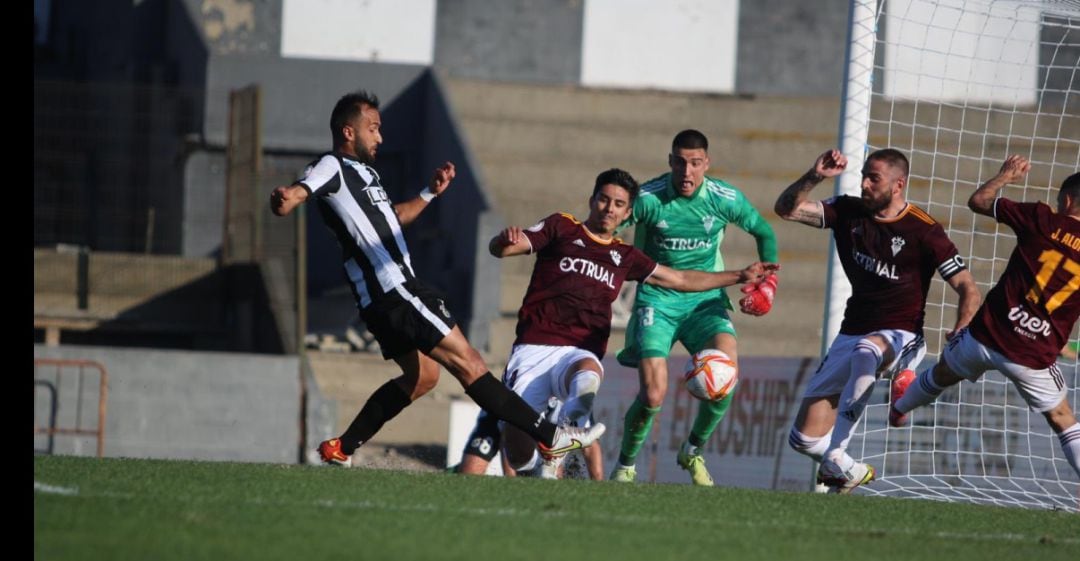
[{"x": 356, "y": 209}]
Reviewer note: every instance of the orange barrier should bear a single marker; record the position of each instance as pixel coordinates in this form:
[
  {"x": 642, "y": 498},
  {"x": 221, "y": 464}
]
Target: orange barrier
[{"x": 82, "y": 368}]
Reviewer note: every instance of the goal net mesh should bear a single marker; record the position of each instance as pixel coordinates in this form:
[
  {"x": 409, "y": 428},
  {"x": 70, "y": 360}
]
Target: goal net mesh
[{"x": 958, "y": 85}]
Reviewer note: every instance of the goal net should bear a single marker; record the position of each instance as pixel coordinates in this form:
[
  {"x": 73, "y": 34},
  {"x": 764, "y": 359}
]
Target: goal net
[{"x": 958, "y": 85}]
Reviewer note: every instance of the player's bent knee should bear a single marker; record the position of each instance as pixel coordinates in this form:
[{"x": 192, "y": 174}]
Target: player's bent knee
[
  {"x": 943, "y": 376},
  {"x": 459, "y": 358},
  {"x": 425, "y": 384},
  {"x": 1060, "y": 417},
  {"x": 655, "y": 397},
  {"x": 867, "y": 351},
  {"x": 584, "y": 382}
]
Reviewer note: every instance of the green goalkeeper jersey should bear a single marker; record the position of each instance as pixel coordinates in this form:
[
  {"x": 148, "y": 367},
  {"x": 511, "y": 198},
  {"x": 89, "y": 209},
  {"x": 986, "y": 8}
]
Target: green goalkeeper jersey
[{"x": 685, "y": 233}]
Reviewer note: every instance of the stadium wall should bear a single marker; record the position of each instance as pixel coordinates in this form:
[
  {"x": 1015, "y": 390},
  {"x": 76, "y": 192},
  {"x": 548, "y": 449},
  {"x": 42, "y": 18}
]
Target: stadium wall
[
  {"x": 182, "y": 405},
  {"x": 246, "y": 407},
  {"x": 717, "y": 46}
]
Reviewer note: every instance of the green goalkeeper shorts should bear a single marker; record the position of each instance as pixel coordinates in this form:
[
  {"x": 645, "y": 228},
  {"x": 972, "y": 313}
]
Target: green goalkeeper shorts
[{"x": 653, "y": 330}]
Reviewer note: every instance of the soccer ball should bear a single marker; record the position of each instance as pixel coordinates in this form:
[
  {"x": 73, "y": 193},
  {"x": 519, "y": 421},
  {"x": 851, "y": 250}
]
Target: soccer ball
[{"x": 710, "y": 375}]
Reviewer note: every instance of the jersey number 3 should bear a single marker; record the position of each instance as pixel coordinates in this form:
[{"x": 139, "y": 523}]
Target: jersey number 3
[{"x": 1051, "y": 260}]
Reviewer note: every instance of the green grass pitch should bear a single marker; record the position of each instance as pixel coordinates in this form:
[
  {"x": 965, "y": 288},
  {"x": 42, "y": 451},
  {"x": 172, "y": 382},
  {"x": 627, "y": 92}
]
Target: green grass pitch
[{"x": 86, "y": 509}]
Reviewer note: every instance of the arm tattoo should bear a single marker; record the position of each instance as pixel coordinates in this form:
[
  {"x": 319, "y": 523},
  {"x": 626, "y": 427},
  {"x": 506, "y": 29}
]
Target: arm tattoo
[
  {"x": 811, "y": 218},
  {"x": 787, "y": 201}
]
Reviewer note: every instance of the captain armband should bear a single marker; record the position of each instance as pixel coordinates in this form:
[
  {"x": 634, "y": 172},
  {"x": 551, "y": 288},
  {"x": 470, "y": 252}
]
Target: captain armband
[{"x": 951, "y": 266}]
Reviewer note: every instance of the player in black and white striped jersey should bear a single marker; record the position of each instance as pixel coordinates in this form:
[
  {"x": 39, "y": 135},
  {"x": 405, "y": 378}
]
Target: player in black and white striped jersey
[{"x": 409, "y": 319}]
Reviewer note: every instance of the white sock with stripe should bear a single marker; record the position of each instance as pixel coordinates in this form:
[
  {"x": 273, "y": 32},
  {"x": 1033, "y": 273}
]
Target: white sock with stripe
[
  {"x": 921, "y": 392},
  {"x": 812, "y": 446},
  {"x": 865, "y": 361},
  {"x": 1070, "y": 443}
]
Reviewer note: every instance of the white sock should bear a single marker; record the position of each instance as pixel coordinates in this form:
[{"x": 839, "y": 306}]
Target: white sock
[
  {"x": 860, "y": 385},
  {"x": 813, "y": 446},
  {"x": 1070, "y": 443},
  {"x": 688, "y": 448},
  {"x": 921, "y": 392},
  {"x": 583, "y": 387},
  {"x": 841, "y": 458}
]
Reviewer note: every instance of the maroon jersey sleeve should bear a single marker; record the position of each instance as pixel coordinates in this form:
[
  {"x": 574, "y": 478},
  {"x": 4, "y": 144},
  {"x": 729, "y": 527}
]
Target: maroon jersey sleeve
[
  {"x": 1021, "y": 217},
  {"x": 942, "y": 252},
  {"x": 835, "y": 209},
  {"x": 543, "y": 232},
  {"x": 641, "y": 265}
]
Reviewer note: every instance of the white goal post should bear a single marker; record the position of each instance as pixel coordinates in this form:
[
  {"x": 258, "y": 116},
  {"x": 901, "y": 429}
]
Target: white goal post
[{"x": 957, "y": 85}]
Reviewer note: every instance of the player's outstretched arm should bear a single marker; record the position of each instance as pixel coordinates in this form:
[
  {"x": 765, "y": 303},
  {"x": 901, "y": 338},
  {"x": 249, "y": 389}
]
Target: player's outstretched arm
[
  {"x": 408, "y": 211},
  {"x": 964, "y": 285},
  {"x": 700, "y": 281},
  {"x": 794, "y": 203},
  {"x": 1012, "y": 170},
  {"x": 287, "y": 197},
  {"x": 511, "y": 241}
]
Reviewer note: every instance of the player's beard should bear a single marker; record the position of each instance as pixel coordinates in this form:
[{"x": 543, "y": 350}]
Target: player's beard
[
  {"x": 365, "y": 155},
  {"x": 878, "y": 205}
]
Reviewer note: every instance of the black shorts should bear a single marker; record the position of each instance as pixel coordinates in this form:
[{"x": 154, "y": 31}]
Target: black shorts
[
  {"x": 412, "y": 318},
  {"x": 485, "y": 438}
]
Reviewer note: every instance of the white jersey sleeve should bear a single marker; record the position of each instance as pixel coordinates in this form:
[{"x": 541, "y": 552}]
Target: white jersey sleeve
[{"x": 323, "y": 174}]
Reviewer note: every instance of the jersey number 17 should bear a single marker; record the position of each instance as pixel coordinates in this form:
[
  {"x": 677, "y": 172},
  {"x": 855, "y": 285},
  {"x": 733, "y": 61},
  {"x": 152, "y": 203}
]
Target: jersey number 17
[{"x": 1051, "y": 260}]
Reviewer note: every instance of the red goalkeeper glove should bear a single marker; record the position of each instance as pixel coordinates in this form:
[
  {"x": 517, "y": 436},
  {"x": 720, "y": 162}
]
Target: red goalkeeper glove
[{"x": 759, "y": 297}]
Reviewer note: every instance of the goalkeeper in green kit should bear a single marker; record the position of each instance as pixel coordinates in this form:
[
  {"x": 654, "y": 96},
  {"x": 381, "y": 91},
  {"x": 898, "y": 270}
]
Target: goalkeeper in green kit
[{"x": 680, "y": 219}]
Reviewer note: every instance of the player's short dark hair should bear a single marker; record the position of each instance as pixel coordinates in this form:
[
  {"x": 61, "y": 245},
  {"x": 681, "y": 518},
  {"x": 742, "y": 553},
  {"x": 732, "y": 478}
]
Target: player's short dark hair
[
  {"x": 893, "y": 157},
  {"x": 1071, "y": 186},
  {"x": 690, "y": 139},
  {"x": 616, "y": 176},
  {"x": 347, "y": 108}
]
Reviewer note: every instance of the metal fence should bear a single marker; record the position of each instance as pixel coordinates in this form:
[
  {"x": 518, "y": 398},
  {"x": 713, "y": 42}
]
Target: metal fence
[{"x": 123, "y": 180}]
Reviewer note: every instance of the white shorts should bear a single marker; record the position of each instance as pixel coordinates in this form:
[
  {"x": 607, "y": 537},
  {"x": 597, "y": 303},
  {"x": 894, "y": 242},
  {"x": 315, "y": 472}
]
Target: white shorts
[
  {"x": 537, "y": 372},
  {"x": 908, "y": 350},
  {"x": 1042, "y": 389}
]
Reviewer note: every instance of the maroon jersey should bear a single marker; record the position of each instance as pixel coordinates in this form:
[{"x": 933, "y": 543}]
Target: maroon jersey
[
  {"x": 1030, "y": 312},
  {"x": 576, "y": 278},
  {"x": 889, "y": 263}
]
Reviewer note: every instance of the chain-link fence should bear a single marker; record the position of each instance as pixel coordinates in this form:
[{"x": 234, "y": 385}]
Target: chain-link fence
[
  {"x": 132, "y": 217},
  {"x": 108, "y": 164}
]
